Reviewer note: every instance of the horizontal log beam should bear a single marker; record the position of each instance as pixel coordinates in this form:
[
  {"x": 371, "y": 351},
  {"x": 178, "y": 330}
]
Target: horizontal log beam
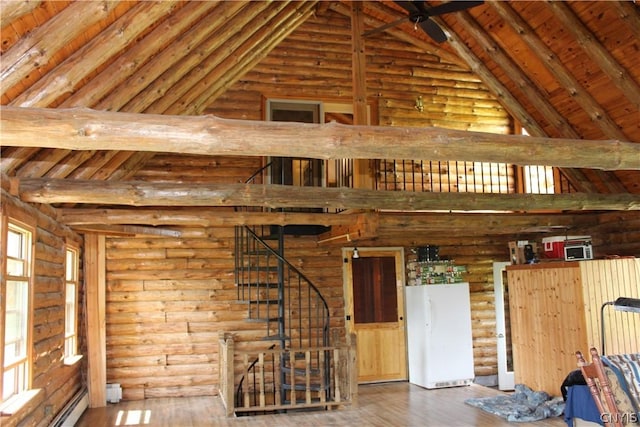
[
  {"x": 282, "y": 196},
  {"x": 126, "y": 230},
  {"x": 217, "y": 217},
  {"x": 85, "y": 129},
  {"x": 495, "y": 224}
]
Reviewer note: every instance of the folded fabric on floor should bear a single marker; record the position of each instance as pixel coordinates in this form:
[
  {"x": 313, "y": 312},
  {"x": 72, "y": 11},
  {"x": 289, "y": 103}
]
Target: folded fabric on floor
[{"x": 524, "y": 405}]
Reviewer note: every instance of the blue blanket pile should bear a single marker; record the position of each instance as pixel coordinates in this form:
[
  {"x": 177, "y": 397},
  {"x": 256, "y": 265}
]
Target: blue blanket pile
[{"x": 525, "y": 405}]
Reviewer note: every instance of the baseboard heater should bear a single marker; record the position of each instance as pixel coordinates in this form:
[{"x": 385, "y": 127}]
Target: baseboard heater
[{"x": 72, "y": 411}]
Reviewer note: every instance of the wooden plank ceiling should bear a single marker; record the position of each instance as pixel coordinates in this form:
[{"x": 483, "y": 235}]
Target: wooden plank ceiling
[{"x": 562, "y": 69}]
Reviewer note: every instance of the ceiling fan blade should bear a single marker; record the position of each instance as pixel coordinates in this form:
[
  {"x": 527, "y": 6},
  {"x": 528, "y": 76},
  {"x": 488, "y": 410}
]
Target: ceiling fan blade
[
  {"x": 384, "y": 27},
  {"x": 419, "y": 14},
  {"x": 452, "y": 6},
  {"x": 433, "y": 30},
  {"x": 409, "y": 6}
]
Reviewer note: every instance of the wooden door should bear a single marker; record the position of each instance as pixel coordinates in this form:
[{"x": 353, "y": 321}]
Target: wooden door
[
  {"x": 506, "y": 377},
  {"x": 375, "y": 313}
]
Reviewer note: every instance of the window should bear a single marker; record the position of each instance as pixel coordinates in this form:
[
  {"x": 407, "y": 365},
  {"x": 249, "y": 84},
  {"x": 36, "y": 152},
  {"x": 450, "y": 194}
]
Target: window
[
  {"x": 71, "y": 304},
  {"x": 17, "y": 306},
  {"x": 295, "y": 171},
  {"x": 538, "y": 179},
  {"x": 306, "y": 172}
]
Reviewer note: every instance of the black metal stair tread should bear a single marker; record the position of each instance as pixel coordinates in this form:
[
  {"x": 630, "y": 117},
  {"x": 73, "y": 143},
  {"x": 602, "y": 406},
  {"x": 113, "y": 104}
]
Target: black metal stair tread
[
  {"x": 260, "y": 301},
  {"x": 270, "y": 237},
  {"x": 271, "y": 285},
  {"x": 299, "y": 355},
  {"x": 256, "y": 252},
  {"x": 258, "y": 268},
  {"x": 301, "y": 371},
  {"x": 303, "y": 387},
  {"x": 263, "y": 319},
  {"x": 276, "y": 338},
  {"x": 300, "y": 229}
]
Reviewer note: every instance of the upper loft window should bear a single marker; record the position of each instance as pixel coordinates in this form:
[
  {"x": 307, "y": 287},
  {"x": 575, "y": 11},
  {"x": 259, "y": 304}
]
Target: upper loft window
[
  {"x": 311, "y": 172},
  {"x": 17, "y": 305},
  {"x": 294, "y": 111},
  {"x": 538, "y": 179},
  {"x": 302, "y": 172}
]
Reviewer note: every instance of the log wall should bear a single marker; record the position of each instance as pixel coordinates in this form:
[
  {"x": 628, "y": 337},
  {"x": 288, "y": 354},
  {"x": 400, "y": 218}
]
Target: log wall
[
  {"x": 314, "y": 63},
  {"x": 167, "y": 298},
  {"x": 58, "y": 382}
]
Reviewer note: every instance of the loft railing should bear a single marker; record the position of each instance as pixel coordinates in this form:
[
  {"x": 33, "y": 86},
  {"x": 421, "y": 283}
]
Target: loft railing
[
  {"x": 470, "y": 177},
  {"x": 422, "y": 176}
]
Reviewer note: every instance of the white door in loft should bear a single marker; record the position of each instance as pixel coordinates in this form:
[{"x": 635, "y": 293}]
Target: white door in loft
[{"x": 506, "y": 380}]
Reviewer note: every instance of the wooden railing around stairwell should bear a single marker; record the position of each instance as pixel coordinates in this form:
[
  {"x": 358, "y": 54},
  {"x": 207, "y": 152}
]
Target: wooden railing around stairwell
[{"x": 261, "y": 391}]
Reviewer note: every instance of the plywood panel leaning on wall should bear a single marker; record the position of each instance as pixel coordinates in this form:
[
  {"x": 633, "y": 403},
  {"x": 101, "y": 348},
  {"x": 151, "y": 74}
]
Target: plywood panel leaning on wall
[
  {"x": 555, "y": 311},
  {"x": 604, "y": 281},
  {"x": 547, "y": 321}
]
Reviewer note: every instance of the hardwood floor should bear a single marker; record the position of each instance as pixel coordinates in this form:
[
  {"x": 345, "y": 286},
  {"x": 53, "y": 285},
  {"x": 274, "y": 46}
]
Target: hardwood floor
[{"x": 384, "y": 405}]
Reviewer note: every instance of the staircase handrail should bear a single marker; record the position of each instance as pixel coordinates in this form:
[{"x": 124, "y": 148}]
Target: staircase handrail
[
  {"x": 258, "y": 172},
  {"x": 251, "y": 366},
  {"x": 291, "y": 266}
]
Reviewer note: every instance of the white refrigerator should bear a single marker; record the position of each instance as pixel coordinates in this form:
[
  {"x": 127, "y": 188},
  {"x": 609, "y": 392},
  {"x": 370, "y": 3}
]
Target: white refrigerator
[{"x": 439, "y": 338}]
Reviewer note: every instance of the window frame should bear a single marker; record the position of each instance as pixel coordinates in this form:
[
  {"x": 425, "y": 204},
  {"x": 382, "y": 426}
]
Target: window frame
[
  {"x": 71, "y": 357},
  {"x": 547, "y": 178},
  {"x": 11, "y": 223}
]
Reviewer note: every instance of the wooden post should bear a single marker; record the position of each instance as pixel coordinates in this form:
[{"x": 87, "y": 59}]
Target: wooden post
[
  {"x": 361, "y": 172},
  {"x": 226, "y": 372},
  {"x": 353, "y": 368},
  {"x": 95, "y": 283}
]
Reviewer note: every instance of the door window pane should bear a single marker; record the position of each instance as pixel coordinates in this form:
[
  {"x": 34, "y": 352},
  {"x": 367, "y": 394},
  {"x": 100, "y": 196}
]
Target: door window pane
[{"x": 374, "y": 290}]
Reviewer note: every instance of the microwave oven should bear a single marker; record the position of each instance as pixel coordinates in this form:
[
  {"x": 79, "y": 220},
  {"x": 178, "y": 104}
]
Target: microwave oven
[{"x": 577, "y": 251}]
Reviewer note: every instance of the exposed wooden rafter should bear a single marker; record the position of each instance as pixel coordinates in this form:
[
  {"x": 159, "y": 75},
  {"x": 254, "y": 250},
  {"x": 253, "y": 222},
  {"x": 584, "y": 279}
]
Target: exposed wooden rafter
[
  {"x": 28, "y": 53},
  {"x": 509, "y": 101},
  {"x": 601, "y": 56},
  {"x": 398, "y": 33},
  {"x": 256, "y": 48},
  {"x": 128, "y": 71},
  {"x": 577, "y": 92},
  {"x": 109, "y": 42},
  {"x": 15, "y": 9}
]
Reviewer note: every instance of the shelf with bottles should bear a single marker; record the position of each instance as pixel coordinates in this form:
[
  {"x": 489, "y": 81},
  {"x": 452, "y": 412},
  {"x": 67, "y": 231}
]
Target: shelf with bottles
[{"x": 434, "y": 272}]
